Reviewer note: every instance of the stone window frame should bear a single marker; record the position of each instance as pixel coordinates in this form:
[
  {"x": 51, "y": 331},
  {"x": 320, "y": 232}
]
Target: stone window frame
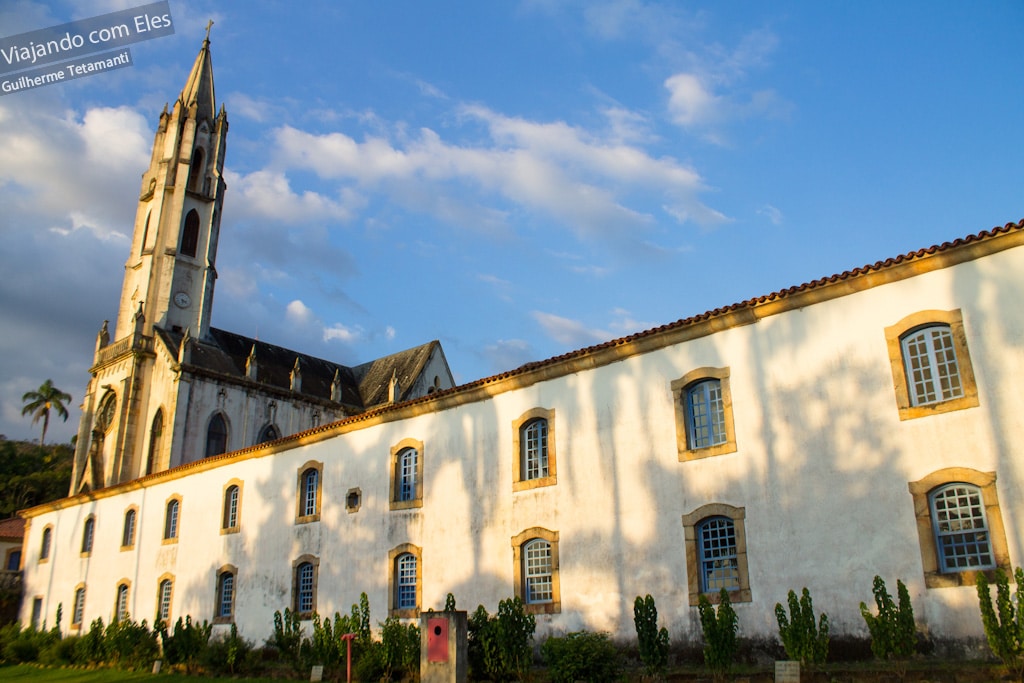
[
  {"x": 232, "y": 571},
  {"x": 225, "y": 528},
  {"x": 353, "y": 500},
  {"x": 518, "y": 425},
  {"x": 134, "y": 511},
  {"x": 395, "y": 484},
  {"x": 919, "y": 492},
  {"x": 169, "y": 539},
  {"x": 46, "y": 544},
  {"x": 393, "y": 555},
  {"x": 300, "y": 492},
  {"x": 299, "y": 561},
  {"x": 166, "y": 576},
  {"x": 77, "y": 625},
  {"x": 679, "y": 389},
  {"x": 10, "y": 554},
  {"x": 519, "y": 575},
  {"x": 88, "y": 535},
  {"x": 894, "y": 344},
  {"x": 693, "y": 520}
]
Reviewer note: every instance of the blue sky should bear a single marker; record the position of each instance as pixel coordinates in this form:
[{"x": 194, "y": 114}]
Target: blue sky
[{"x": 516, "y": 179}]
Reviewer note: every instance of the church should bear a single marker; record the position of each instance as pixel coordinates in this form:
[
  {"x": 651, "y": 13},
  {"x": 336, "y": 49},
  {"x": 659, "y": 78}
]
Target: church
[{"x": 867, "y": 423}]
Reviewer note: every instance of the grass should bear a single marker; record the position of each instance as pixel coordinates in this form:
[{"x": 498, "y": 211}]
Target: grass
[{"x": 41, "y": 674}]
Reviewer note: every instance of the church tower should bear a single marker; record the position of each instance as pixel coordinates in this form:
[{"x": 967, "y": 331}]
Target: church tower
[
  {"x": 168, "y": 285},
  {"x": 170, "y": 273}
]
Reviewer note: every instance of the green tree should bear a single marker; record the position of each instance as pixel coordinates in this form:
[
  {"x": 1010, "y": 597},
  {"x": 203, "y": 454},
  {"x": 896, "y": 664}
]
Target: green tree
[{"x": 40, "y": 402}]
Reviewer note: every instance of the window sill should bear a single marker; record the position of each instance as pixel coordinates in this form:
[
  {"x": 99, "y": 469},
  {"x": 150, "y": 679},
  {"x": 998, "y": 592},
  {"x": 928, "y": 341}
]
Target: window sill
[
  {"x": 687, "y": 454},
  {"x": 953, "y": 404},
  {"x": 527, "y": 484},
  {"x": 735, "y": 596},
  {"x": 406, "y": 504}
]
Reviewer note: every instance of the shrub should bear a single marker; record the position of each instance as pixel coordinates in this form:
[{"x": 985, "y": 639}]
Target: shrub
[
  {"x": 229, "y": 654},
  {"x": 90, "y": 648},
  {"x": 719, "y": 633},
  {"x": 24, "y": 645},
  {"x": 287, "y": 638},
  {"x": 500, "y": 646},
  {"x": 400, "y": 648},
  {"x": 62, "y": 652},
  {"x": 804, "y": 640},
  {"x": 893, "y": 633},
  {"x": 1004, "y": 623},
  {"x": 581, "y": 656},
  {"x": 653, "y": 642},
  {"x": 449, "y": 603},
  {"x": 130, "y": 645},
  {"x": 187, "y": 645}
]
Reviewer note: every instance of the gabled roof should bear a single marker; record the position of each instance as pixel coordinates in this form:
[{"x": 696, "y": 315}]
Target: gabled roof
[
  {"x": 12, "y": 529},
  {"x": 362, "y": 387}
]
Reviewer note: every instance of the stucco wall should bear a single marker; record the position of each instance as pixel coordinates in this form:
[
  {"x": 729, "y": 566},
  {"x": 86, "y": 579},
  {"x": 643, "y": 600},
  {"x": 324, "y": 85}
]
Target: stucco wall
[{"x": 821, "y": 469}]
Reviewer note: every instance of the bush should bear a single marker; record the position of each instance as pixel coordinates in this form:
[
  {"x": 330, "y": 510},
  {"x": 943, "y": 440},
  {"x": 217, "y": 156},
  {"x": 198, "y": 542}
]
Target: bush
[
  {"x": 187, "y": 645},
  {"x": 500, "y": 646},
  {"x": 400, "y": 648},
  {"x": 287, "y": 638},
  {"x": 229, "y": 654},
  {"x": 90, "y": 648},
  {"x": 130, "y": 645},
  {"x": 1004, "y": 624},
  {"x": 581, "y": 656},
  {"x": 653, "y": 642},
  {"x": 24, "y": 645},
  {"x": 719, "y": 633},
  {"x": 805, "y": 641},
  {"x": 893, "y": 633},
  {"x": 63, "y": 652}
]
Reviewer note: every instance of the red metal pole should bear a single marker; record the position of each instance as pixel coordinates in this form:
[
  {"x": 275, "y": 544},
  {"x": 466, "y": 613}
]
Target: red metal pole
[{"x": 348, "y": 655}]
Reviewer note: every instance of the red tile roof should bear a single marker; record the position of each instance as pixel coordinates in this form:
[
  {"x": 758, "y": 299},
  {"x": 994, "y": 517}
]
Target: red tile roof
[{"x": 12, "y": 529}]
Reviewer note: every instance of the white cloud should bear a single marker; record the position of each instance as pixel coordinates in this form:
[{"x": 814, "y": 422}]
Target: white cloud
[
  {"x": 297, "y": 313},
  {"x": 346, "y": 335},
  {"x": 771, "y": 213},
  {"x": 569, "y": 332},
  {"x": 690, "y": 103},
  {"x": 268, "y": 195}
]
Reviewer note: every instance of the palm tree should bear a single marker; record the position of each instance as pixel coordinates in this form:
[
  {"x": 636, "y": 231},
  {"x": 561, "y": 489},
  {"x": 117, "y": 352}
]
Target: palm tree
[{"x": 41, "y": 401}]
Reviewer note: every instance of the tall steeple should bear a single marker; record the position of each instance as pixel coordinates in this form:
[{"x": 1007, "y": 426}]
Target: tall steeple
[
  {"x": 197, "y": 95},
  {"x": 171, "y": 269},
  {"x": 168, "y": 281}
]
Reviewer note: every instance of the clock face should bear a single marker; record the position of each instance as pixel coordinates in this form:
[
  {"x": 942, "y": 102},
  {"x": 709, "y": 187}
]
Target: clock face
[{"x": 182, "y": 300}]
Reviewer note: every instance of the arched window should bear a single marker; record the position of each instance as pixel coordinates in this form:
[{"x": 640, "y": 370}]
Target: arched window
[
  {"x": 171, "y": 519},
  {"x": 929, "y": 358},
  {"x": 305, "y": 587},
  {"x": 405, "y": 581},
  {"x": 225, "y": 609},
  {"x": 537, "y": 571},
  {"x": 196, "y": 171},
  {"x": 269, "y": 433},
  {"x": 145, "y": 233},
  {"x": 88, "y": 531},
  {"x": 78, "y": 609},
  {"x": 406, "y": 473},
  {"x": 190, "y": 234},
  {"x": 156, "y": 440},
  {"x": 230, "y": 519},
  {"x": 121, "y": 609},
  {"x": 719, "y": 562},
  {"x": 533, "y": 443},
  {"x": 44, "y": 545},
  {"x": 310, "y": 492},
  {"x": 705, "y": 413},
  {"x": 128, "y": 532},
  {"x": 961, "y": 529},
  {"x": 164, "y": 592},
  {"x": 216, "y": 436}
]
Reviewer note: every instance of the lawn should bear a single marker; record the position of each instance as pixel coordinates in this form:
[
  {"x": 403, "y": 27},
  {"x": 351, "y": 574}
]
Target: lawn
[{"x": 39, "y": 674}]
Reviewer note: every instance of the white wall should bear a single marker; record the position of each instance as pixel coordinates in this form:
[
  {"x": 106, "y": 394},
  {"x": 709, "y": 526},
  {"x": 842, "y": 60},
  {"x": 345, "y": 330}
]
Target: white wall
[{"x": 822, "y": 468}]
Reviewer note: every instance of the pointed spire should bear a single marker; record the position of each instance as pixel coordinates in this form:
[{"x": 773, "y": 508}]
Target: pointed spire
[
  {"x": 250, "y": 364},
  {"x": 103, "y": 338},
  {"x": 296, "y": 376},
  {"x": 185, "y": 349},
  {"x": 198, "y": 90},
  {"x": 336, "y": 386},
  {"x": 394, "y": 391}
]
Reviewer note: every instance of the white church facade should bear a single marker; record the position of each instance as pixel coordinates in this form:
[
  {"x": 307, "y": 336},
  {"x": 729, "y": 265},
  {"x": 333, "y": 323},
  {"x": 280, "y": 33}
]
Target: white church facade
[{"x": 867, "y": 423}]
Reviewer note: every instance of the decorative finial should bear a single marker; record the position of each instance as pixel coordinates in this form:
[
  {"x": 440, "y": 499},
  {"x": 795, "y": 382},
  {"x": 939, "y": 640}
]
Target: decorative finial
[{"x": 208, "y": 25}]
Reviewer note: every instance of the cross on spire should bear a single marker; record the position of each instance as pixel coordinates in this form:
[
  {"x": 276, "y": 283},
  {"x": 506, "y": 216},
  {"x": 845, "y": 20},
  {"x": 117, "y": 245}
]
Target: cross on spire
[{"x": 208, "y": 25}]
